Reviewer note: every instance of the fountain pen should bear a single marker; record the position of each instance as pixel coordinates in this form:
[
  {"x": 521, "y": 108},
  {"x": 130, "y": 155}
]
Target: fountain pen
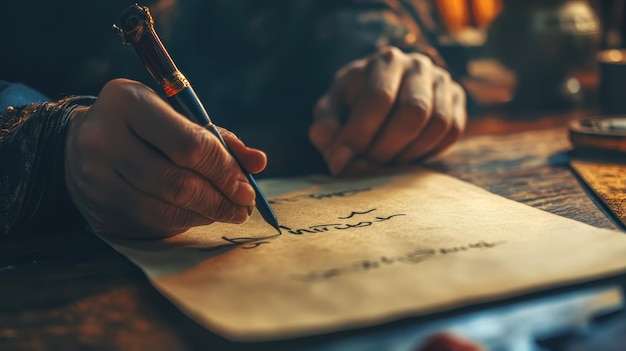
[{"x": 137, "y": 29}]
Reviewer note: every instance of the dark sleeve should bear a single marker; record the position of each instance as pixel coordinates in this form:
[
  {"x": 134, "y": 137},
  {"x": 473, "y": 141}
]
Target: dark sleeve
[{"x": 32, "y": 141}]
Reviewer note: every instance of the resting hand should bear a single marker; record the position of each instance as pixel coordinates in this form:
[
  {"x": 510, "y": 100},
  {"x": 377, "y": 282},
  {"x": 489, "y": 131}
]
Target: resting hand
[
  {"x": 136, "y": 168},
  {"x": 388, "y": 108}
]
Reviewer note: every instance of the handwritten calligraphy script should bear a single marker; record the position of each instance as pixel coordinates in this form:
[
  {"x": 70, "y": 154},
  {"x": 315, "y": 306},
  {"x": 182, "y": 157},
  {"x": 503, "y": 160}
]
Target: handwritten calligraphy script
[
  {"x": 413, "y": 257},
  {"x": 365, "y": 251},
  {"x": 317, "y": 196},
  {"x": 248, "y": 243}
]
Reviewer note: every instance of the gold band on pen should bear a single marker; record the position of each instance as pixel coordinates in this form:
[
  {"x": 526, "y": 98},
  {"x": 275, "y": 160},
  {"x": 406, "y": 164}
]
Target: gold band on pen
[{"x": 174, "y": 83}]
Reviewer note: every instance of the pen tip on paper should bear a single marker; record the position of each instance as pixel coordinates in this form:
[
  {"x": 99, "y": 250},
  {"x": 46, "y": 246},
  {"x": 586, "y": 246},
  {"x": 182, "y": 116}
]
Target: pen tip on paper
[
  {"x": 275, "y": 225},
  {"x": 271, "y": 219},
  {"x": 268, "y": 215}
]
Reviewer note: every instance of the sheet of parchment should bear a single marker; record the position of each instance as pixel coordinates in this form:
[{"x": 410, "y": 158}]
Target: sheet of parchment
[{"x": 359, "y": 252}]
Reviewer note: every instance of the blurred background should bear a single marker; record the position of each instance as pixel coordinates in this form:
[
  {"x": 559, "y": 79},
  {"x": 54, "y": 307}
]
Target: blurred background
[
  {"x": 522, "y": 55},
  {"x": 534, "y": 55}
]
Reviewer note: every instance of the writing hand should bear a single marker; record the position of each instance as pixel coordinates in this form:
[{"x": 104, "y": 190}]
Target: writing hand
[
  {"x": 137, "y": 168},
  {"x": 388, "y": 108}
]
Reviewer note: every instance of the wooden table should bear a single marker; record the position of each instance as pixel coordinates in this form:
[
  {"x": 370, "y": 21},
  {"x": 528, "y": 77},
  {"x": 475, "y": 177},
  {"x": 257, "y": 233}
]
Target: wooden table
[{"x": 72, "y": 291}]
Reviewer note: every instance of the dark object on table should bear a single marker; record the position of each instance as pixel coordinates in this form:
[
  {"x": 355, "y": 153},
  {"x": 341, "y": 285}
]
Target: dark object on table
[
  {"x": 604, "y": 136},
  {"x": 612, "y": 88},
  {"x": 543, "y": 42}
]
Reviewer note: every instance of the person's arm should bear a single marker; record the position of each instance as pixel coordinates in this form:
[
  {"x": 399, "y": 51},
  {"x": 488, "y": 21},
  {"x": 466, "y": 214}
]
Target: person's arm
[{"x": 32, "y": 140}]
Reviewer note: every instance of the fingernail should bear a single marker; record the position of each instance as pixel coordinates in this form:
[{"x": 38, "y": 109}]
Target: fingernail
[
  {"x": 339, "y": 158},
  {"x": 251, "y": 209},
  {"x": 243, "y": 194}
]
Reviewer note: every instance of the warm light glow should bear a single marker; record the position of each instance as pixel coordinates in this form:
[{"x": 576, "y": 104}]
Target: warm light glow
[
  {"x": 485, "y": 11},
  {"x": 458, "y": 15},
  {"x": 454, "y": 13},
  {"x": 614, "y": 55}
]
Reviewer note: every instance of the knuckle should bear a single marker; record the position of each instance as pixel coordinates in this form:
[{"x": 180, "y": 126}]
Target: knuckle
[
  {"x": 457, "y": 87},
  {"x": 443, "y": 75},
  {"x": 123, "y": 90},
  {"x": 421, "y": 61},
  {"x": 227, "y": 134},
  {"x": 458, "y": 91},
  {"x": 389, "y": 53},
  {"x": 114, "y": 85}
]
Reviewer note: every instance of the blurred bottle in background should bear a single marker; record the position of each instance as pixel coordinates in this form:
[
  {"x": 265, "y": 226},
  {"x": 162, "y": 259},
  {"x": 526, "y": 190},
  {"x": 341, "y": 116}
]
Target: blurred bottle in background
[
  {"x": 612, "y": 57},
  {"x": 611, "y": 13}
]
